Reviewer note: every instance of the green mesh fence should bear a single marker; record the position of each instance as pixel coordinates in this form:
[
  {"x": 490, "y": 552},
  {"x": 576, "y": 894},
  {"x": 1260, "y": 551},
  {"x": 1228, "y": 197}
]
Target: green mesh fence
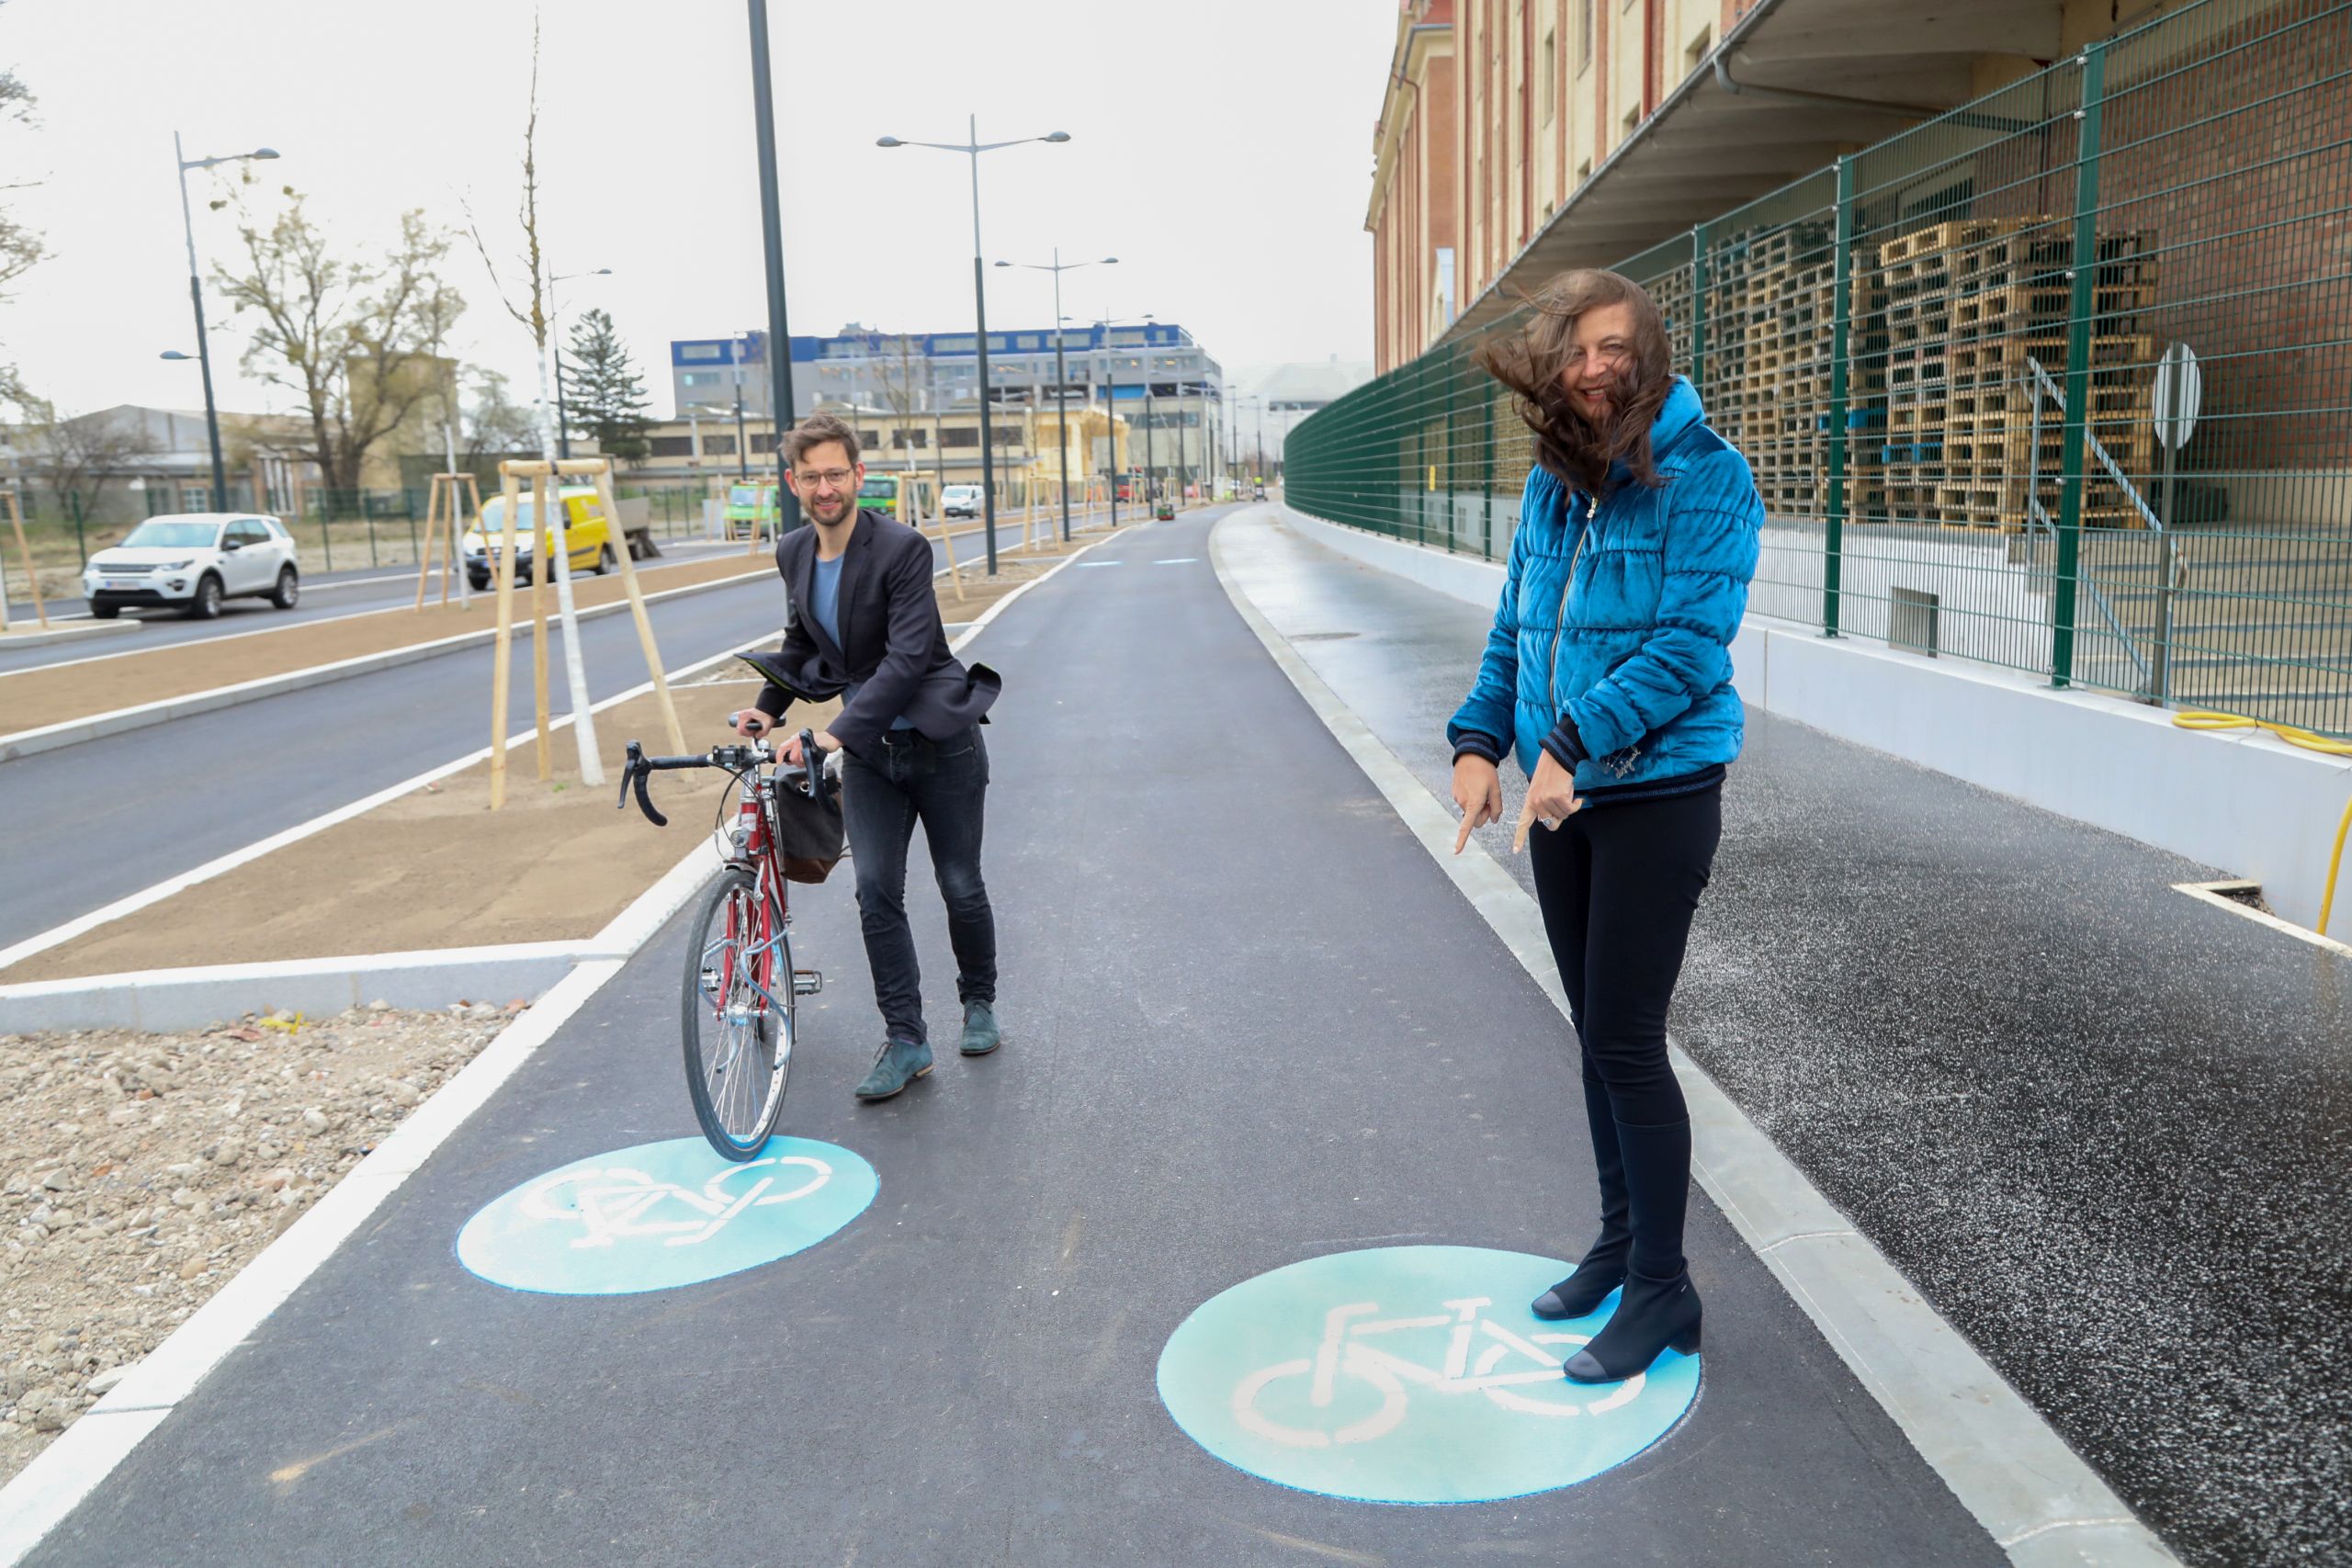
[{"x": 2060, "y": 381}]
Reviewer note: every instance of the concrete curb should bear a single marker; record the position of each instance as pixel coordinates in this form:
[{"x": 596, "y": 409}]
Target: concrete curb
[
  {"x": 73, "y": 731},
  {"x": 66, "y": 634},
  {"x": 2034, "y": 1496}
]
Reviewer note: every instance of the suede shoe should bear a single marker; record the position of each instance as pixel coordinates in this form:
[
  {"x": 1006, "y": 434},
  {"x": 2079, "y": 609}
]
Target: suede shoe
[
  {"x": 1653, "y": 1316},
  {"x": 981, "y": 1035},
  {"x": 899, "y": 1063}
]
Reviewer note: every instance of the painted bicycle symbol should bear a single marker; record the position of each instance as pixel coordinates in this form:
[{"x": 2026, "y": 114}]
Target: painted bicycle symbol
[
  {"x": 1355, "y": 1348},
  {"x": 615, "y": 1203}
]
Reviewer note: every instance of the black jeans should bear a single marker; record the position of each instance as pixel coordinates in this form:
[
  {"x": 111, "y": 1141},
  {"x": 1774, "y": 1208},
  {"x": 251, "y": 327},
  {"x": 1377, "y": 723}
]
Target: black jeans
[
  {"x": 1618, "y": 885},
  {"x": 943, "y": 784}
]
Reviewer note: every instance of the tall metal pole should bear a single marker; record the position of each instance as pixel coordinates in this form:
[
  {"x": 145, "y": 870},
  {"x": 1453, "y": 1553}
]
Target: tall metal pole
[
  {"x": 743, "y": 458},
  {"x": 1111, "y": 424},
  {"x": 780, "y": 406},
  {"x": 1061, "y": 392},
  {"x": 203, "y": 350},
  {"x": 1150, "y": 446},
  {"x": 980, "y": 317}
]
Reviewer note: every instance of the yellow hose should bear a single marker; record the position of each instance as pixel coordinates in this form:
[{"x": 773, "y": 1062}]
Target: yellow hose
[{"x": 2310, "y": 741}]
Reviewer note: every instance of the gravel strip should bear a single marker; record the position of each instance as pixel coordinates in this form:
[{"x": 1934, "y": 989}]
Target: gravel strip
[{"x": 143, "y": 1171}]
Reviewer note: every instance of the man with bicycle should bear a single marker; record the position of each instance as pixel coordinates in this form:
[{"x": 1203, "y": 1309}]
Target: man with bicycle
[{"x": 861, "y": 622}]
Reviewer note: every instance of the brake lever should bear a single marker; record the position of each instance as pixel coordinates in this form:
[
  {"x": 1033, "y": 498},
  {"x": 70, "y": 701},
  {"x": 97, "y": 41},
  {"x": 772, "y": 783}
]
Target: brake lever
[
  {"x": 812, "y": 766},
  {"x": 629, "y": 770}
]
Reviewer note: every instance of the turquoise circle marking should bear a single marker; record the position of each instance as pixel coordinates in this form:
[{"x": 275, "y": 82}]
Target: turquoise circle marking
[
  {"x": 658, "y": 1215},
  {"x": 1426, "y": 1394}
]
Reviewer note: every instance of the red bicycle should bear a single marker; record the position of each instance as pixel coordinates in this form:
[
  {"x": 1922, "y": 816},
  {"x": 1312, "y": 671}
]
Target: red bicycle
[{"x": 737, "y": 1003}]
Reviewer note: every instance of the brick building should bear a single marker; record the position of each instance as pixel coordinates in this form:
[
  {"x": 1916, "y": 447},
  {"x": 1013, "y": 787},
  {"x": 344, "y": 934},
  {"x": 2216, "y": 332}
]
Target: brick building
[{"x": 1520, "y": 137}]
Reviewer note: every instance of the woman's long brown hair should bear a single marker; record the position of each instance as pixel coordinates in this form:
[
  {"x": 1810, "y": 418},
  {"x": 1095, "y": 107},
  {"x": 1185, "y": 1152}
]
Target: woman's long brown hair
[{"x": 1530, "y": 361}]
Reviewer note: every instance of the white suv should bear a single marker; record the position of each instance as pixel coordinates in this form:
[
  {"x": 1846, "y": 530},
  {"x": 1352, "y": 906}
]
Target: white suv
[{"x": 194, "y": 561}]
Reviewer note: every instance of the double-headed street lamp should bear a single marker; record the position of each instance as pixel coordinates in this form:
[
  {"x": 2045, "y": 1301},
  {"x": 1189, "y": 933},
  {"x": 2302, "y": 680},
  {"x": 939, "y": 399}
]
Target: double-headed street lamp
[
  {"x": 196, "y": 298},
  {"x": 555, "y": 331},
  {"x": 1061, "y": 376},
  {"x": 973, "y": 149}
]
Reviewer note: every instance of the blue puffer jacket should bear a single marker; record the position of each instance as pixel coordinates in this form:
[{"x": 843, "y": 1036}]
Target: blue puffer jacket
[{"x": 1624, "y": 672}]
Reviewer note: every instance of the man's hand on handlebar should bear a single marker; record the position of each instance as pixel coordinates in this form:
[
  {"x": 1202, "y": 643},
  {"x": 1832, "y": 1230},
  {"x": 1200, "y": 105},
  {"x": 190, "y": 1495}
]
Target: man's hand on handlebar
[
  {"x": 751, "y": 724},
  {"x": 791, "y": 752}
]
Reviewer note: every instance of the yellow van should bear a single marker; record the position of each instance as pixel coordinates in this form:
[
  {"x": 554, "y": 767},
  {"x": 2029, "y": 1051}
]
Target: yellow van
[{"x": 585, "y": 524}]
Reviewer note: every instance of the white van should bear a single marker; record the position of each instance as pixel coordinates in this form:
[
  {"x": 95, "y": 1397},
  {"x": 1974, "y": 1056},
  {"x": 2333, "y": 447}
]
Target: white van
[{"x": 960, "y": 500}]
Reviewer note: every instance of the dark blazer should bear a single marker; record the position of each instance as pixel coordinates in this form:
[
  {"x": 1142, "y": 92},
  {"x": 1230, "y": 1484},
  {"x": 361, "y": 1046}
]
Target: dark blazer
[{"x": 891, "y": 640}]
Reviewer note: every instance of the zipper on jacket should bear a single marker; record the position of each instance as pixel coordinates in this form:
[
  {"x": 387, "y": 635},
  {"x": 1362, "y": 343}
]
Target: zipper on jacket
[{"x": 1559, "y": 619}]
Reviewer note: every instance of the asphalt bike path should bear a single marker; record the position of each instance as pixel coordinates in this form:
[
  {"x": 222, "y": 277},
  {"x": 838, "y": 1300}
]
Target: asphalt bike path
[
  {"x": 1248, "y": 1023},
  {"x": 89, "y": 824},
  {"x": 2103, "y": 1127}
]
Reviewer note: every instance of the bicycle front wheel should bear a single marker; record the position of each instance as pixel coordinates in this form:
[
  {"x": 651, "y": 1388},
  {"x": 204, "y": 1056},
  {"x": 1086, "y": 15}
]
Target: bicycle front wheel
[{"x": 737, "y": 1015}]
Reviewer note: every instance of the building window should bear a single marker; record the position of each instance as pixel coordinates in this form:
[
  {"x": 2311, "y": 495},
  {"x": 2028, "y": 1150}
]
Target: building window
[
  {"x": 870, "y": 440},
  {"x": 673, "y": 446},
  {"x": 908, "y": 435},
  {"x": 1545, "y": 90},
  {"x": 700, "y": 351},
  {"x": 961, "y": 436},
  {"x": 1696, "y": 55},
  {"x": 718, "y": 446},
  {"x": 1584, "y": 33},
  {"x": 697, "y": 379}
]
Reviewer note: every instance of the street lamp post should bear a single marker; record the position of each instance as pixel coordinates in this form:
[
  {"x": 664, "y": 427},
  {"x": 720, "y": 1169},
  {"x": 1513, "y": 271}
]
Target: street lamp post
[
  {"x": 196, "y": 298},
  {"x": 973, "y": 149},
  {"x": 1111, "y": 402},
  {"x": 1062, "y": 375},
  {"x": 555, "y": 324}
]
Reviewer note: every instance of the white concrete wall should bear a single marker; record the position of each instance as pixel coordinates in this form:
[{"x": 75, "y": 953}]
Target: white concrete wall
[{"x": 2239, "y": 800}]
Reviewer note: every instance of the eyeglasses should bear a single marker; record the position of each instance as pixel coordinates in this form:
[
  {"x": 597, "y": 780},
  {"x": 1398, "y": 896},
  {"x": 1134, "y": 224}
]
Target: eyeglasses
[{"x": 836, "y": 478}]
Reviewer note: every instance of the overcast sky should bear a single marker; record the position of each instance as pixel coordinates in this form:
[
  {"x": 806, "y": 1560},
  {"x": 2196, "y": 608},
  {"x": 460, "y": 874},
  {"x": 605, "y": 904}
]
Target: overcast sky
[{"x": 1222, "y": 149}]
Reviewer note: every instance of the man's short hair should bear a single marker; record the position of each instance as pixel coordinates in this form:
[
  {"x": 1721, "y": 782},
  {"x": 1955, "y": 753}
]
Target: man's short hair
[{"x": 815, "y": 431}]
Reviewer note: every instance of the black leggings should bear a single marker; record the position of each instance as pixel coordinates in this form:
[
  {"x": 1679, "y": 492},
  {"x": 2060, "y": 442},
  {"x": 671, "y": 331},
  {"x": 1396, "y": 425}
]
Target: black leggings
[{"x": 1618, "y": 885}]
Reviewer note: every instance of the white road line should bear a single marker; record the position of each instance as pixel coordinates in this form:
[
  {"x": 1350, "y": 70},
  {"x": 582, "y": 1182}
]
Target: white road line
[
  {"x": 222, "y": 865},
  {"x": 2032, "y": 1493},
  {"x": 1177, "y": 560},
  {"x": 288, "y": 627},
  {"x": 70, "y": 1469},
  {"x": 1104, "y": 563},
  {"x": 98, "y": 727}
]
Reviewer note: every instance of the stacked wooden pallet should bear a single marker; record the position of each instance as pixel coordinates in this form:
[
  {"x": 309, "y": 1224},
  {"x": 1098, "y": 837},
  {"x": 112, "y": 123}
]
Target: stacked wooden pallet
[{"x": 1971, "y": 306}]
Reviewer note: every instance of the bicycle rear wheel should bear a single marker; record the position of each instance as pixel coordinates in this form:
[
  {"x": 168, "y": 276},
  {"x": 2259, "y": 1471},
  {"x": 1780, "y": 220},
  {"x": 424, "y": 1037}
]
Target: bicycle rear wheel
[{"x": 737, "y": 1019}]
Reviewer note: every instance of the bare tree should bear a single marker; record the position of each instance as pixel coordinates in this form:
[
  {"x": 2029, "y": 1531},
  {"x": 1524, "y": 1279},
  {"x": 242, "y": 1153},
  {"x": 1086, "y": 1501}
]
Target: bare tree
[
  {"x": 495, "y": 424},
  {"x": 352, "y": 339},
  {"x": 898, "y": 372},
  {"x": 80, "y": 454},
  {"x": 20, "y": 247},
  {"x": 534, "y": 318}
]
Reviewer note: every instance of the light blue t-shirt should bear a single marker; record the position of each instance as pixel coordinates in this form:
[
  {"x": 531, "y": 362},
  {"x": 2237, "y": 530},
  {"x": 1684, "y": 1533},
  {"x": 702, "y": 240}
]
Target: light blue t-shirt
[{"x": 825, "y": 609}]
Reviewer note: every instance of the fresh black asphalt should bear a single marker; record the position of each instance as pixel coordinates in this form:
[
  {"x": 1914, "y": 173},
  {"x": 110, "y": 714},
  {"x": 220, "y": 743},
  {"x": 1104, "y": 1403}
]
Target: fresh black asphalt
[{"x": 1248, "y": 1022}]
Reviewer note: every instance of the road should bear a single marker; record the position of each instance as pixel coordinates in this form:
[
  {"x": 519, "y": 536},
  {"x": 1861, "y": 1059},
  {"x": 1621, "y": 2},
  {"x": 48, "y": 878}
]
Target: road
[
  {"x": 323, "y": 597},
  {"x": 92, "y": 823},
  {"x": 1248, "y": 1021}
]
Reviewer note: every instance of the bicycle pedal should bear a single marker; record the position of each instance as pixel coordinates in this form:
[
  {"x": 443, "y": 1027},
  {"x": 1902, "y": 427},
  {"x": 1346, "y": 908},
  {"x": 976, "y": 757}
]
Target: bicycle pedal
[{"x": 806, "y": 982}]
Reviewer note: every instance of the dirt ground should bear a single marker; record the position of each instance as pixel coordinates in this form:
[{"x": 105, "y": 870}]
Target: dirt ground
[
  {"x": 32, "y": 698},
  {"x": 436, "y": 868},
  {"x": 140, "y": 1172}
]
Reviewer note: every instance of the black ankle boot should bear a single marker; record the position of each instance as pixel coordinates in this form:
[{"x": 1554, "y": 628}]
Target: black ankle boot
[
  {"x": 1653, "y": 1316},
  {"x": 1602, "y": 1270}
]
